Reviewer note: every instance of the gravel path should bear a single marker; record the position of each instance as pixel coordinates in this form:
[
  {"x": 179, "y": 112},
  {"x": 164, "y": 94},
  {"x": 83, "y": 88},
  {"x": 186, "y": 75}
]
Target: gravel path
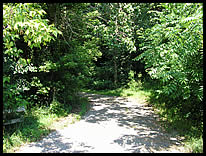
[{"x": 112, "y": 125}]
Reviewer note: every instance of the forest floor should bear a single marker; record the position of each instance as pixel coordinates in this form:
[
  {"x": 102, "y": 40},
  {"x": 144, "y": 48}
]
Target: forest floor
[{"x": 112, "y": 125}]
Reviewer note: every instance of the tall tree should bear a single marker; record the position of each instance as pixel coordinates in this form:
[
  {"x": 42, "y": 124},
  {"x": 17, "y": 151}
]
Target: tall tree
[{"x": 114, "y": 26}]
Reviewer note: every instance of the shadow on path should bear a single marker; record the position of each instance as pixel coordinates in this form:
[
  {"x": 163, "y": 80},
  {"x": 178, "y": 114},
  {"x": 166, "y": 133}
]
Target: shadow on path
[
  {"x": 137, "y": 116},
  {"x": 55, "y": 142},
  {"x": 113, "y": 124}
]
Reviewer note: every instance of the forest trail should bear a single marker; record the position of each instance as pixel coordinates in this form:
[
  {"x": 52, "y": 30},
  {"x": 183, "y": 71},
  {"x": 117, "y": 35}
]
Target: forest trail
[{"x": 112, "y": 125}]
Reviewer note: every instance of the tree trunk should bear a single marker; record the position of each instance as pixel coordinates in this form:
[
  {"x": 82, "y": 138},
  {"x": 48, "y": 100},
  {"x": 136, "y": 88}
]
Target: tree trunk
[{"x": 115, "y": 72}]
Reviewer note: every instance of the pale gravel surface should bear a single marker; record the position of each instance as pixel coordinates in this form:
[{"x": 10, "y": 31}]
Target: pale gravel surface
[{"x": 112, "y": 125}]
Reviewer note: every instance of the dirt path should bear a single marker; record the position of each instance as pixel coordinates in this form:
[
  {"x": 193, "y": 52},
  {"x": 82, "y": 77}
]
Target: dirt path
[{"x": 113, "y": 124}]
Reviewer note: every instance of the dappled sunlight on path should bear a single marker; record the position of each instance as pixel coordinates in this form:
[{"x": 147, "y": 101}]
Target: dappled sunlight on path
[{"x": 113, "y": 124}]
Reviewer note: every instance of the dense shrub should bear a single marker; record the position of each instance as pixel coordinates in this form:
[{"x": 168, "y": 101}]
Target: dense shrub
[
  {"x": 173, "y": 53},
  {"x": 19, "y": 41}
]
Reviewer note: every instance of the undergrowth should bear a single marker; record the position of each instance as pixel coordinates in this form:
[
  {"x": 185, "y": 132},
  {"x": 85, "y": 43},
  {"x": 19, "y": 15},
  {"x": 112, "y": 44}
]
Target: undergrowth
[
  {"x": 39, "y": 122},
  {"x": 172, "y": 119}
]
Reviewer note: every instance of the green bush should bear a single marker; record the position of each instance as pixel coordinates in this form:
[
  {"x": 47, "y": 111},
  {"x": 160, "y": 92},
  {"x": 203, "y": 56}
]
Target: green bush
[
  {"x": 173, "y": 54},
  {"x": 55, "y": 107},
  {"x": 19, "y": 41},
  {"x": 195, "y": 145}
]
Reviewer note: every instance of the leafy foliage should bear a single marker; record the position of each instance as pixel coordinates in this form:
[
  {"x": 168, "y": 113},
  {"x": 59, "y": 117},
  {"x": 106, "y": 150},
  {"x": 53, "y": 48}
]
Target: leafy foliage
[
  {"x": 173, "y": 53},
  {"x": 112, "y": 23},
  {"x": 25, "y": 22}
]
